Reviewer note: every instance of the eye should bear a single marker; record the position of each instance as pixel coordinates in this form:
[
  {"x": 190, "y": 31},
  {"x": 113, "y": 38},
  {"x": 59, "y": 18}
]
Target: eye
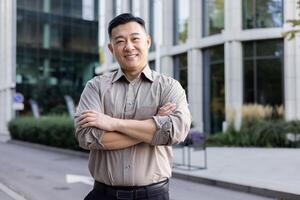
[
  {"x": 136, "y": 39},
  {"x": 119, "y": 41}
]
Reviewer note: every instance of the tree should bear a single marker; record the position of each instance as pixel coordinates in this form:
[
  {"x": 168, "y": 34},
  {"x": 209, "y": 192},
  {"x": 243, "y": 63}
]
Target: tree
[{"x": 295, "y": 24}]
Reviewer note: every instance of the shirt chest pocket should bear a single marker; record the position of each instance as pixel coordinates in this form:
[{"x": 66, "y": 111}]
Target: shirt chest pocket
[{"x": 145, "y": 112}]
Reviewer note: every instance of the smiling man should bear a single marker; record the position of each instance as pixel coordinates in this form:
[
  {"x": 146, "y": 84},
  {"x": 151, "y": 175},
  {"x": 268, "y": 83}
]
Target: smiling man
[{"x": 129, "y": 119}]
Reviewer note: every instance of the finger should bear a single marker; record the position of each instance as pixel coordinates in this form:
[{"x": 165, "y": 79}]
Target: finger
[
  {"x": 85, "y": 115},
  {"x": 86, "y": 120},
  {"x": 167, "y": 111},
  {"x": 165, "y": 107},
  {"x": 86, "y": 111},
  {"x": 173, "y": 106},
  {"x": 82, "y": 117},
  {"x": 89, "y": 124}
]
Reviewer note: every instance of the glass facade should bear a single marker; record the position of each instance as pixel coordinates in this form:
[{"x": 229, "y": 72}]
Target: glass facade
[
  {"x": 152, "y": 64},
  {"x": 181, "y": 70},
  {"x": 262, "y": 13},
  {"x": 213, "y": 17},
  {"x": 263, "y": 72},
  {"x": 57, "y": 50},
  {"x": 213, "y": 89},
  {"x": 181, "y": 16}
]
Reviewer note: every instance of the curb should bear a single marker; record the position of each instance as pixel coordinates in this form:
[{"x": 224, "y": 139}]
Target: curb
[
  {"x": 50, "y": 148},
  {"x": 280, "y": 195}
]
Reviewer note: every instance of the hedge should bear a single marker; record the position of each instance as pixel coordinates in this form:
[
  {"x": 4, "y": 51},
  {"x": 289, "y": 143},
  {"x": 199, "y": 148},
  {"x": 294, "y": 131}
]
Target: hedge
[
  {"x": 57, "y": 131},
  {"x": 265, "y": 133}
]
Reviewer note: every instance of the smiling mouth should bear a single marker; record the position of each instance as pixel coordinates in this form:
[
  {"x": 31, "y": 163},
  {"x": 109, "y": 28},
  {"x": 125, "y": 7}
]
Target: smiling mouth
[{"x": 131, "y": 56}]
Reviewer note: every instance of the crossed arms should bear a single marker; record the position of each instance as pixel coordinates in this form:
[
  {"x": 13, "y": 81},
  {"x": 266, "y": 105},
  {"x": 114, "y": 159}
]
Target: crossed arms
[
  {"x": 120, "y": 133},
  {"x": 95, "y": 130}
]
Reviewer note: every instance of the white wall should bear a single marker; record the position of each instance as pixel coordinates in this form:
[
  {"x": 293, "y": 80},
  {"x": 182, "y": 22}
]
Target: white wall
[{"x": 7, "y": 63}]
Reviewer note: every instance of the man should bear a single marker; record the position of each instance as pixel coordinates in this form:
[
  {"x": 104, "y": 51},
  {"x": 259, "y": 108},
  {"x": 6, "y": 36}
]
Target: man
[{"x": 129, "y": 119}]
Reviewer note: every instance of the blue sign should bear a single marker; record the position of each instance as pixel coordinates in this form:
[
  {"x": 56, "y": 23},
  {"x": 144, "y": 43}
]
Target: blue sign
[{"x": 18, "y": 98}]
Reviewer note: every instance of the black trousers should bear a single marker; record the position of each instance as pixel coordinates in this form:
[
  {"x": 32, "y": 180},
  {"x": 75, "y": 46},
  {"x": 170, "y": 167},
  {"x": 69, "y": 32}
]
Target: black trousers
[{"x": 102, "y": 194}]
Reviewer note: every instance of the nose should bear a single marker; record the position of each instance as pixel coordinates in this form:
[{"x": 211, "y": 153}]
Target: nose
[{"x": 128, "y": 46}]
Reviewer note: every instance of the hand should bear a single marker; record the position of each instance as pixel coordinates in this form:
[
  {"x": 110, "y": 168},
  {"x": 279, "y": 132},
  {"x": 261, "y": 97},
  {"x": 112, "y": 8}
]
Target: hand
[
  {"x": 166, "y": 109},
  {"x": 91, "y": 118}
]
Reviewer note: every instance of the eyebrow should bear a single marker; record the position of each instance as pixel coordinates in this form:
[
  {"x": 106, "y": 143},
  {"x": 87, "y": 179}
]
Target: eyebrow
[{"x": 120, "y": 36}]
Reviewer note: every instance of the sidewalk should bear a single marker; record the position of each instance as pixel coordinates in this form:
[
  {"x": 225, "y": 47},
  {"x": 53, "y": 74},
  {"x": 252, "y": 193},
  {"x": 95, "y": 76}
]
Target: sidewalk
[{"x": 272, "y": 172}]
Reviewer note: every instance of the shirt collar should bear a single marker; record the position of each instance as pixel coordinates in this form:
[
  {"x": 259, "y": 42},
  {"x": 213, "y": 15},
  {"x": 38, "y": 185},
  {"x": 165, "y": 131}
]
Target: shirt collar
[
  {"x": 146, "y": 71},
  {"x": 119, "y": 75}
]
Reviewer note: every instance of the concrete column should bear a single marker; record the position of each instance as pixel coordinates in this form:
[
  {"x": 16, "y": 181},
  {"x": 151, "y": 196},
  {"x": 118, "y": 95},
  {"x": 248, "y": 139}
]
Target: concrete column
[
  {"x": 291, "y": 66},
  {"x": 233, "y": 60},
  {"x": 195, "y": 87},
  {"x": 167, "y": 66},
  {"x": 108, "y": 16},
  {"x": 233, "y": 80},
  {"x": 195, "y": 65},
  {"x": 7, "y": 63},
  {"x": 195, "y": 22},
  {"x": 167, "y": 28},
  {"x": 136, "y": 8}
]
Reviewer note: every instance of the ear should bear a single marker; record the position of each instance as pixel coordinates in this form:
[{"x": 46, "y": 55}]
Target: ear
[
  {"x": 110, "y": 48},
  {"x": 148, "y": 41}
]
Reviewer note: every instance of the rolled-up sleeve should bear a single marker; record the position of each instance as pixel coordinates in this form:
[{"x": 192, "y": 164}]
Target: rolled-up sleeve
[
  {"x": 173, "y": 128},
  {"x": 89, "y": 138}
]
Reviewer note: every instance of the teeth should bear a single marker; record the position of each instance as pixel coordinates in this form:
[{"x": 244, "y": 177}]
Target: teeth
[{"x": 130, "y": 56}]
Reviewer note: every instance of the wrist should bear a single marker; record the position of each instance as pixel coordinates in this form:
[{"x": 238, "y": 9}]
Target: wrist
[{"x": 117, "y": 124}]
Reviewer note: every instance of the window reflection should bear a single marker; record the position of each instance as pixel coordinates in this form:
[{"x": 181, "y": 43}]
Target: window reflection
[
  {"x": 263, "y": 70},
  {"x": 181, "y": 15},
  {"x": 262, "y": 13},
  {"x": 213, "y": 11},
  {"x": 214, "y": 89},
  {"x": 180, "y": 70},
  {"x": 56, "y": 52},
  {"x": 152, "y": 64}
]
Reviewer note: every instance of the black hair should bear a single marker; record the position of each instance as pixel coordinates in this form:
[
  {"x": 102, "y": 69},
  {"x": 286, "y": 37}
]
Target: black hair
[{"x": 124, "y": 19}]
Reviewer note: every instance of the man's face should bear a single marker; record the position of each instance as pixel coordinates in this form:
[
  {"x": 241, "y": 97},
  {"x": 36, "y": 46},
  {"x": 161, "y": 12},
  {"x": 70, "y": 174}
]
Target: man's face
[{"x": 129, "y": 43}]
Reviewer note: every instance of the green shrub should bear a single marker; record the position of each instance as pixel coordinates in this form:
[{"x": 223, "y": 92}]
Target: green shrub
[
  {"x": 265, "y": 133},
  {"x": 271, "y": 134},
  {"x": 55, "y": 131}
]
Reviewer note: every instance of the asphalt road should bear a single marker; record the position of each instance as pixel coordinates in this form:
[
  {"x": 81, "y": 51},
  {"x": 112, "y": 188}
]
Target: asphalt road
[{"x": 38, "y": 174}]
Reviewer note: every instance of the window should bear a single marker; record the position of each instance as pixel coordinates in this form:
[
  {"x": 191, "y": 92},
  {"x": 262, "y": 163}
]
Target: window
[
  {"x": 262, "y": 13},
  {"x": 152, "y": 64},
  {"x": 263, "y": 72},
  {"x": 213, "y": 89},
  {"x": 56, "y": 54},
  {"x": 56, "y": 7},
  {"x": 213, "y": 11},
  {"x": 181, "y": 15},
  {"x": 32, "y": 5},
  {"x": 180, "y": 70}
]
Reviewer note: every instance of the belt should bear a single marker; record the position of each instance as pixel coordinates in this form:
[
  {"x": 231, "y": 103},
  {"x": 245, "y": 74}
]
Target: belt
[{"x": 134, "y": 192}]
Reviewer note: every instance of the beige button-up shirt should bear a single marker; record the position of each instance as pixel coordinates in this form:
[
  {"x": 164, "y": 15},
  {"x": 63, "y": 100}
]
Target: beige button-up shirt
[{"x": 114, "y": 95}]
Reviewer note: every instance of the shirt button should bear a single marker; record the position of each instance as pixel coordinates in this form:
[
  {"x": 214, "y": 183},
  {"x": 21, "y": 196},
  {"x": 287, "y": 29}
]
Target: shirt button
[{"x": 127, "y": 167}]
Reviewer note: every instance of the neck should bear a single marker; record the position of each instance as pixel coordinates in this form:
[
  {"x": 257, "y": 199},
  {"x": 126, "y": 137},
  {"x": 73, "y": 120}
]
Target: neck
[{"x": 131, "y": 75}]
